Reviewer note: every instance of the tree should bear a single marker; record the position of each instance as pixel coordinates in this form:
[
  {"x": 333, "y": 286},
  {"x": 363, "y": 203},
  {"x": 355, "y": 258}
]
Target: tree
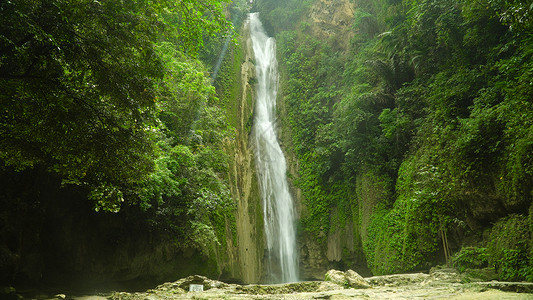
[{"x": 78, "y": 85}]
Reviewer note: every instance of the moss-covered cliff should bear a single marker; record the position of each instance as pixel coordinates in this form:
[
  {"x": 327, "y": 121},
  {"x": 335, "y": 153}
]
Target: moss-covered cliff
[
  {"x": 235, "y": 86},
  {"x": 408, "y": 127}
]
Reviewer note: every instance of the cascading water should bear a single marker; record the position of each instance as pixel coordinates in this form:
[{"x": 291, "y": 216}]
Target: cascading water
[{"x": 278, "y": 208}]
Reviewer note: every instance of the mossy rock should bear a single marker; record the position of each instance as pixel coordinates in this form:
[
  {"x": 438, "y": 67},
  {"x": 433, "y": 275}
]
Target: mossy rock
[
  {"x": 275, "y": 289},
  {"x": 479, "y": 275},
  {"x": 336, "y": 276},
  {"x": 348, "y": 279}
]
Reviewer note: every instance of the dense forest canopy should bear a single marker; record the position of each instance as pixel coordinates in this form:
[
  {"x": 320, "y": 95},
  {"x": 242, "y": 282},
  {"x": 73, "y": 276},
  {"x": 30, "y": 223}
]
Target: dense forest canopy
[
  {"x": 420, "y": 132},
  {"x": 108, "y": 98},
  {"x": 86, "y": 86}
]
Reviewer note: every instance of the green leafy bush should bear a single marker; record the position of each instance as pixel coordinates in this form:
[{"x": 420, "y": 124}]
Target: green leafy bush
[
  {"x": 470, "y": 258},
  {"x": 433, "y": 98},
  {"x": 509, "y": 248}
]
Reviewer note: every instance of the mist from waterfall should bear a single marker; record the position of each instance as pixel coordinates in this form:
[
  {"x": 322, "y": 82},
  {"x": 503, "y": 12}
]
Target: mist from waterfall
[{"x": 278, "y": 208}]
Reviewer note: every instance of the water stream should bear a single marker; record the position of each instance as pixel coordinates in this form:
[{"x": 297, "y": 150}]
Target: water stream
[{"x": 278, "y": 208}]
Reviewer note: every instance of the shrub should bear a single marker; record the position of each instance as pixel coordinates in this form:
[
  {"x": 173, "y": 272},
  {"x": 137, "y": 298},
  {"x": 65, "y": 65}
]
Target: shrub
[
  {"x": 509, "y": 248},
  {"x": 470, "y": 258}
]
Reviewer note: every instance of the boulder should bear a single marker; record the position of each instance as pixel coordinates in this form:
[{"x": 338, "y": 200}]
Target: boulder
[
  {"x": 183, "y": 285},
  {"x": 336, "y": 276},
  {"x": 355, "y": 280},
  {"x": 348, "y": 279}
]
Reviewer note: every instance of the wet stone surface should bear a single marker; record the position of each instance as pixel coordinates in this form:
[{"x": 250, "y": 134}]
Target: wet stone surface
[{"x": 438, "y": 284}]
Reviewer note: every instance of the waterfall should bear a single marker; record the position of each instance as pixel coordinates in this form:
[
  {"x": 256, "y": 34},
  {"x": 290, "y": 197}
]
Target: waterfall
[{"x": 278, "y": 207}]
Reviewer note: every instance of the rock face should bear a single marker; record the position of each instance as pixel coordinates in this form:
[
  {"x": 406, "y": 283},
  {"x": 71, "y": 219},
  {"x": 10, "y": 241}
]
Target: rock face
[
  {"x": 332, "y": 18},
  {"x": 328, "y": 20},
  {"x": 242, "y": 177}
]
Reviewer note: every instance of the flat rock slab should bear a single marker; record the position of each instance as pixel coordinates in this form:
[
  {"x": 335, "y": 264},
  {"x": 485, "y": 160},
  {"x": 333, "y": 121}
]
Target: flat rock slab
[
  {"x": 276, "y": 289},
  {"x": 448, "y": 293},
  {"x": 436, "y": 285},
  {"x": 398, "y": 279},
  {"x": 403, "y": 286},
  {"x": 517, "y": 287}
]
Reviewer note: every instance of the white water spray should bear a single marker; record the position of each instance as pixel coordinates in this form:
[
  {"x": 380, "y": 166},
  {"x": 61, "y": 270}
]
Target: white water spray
[{"x": 278, "y": 207}]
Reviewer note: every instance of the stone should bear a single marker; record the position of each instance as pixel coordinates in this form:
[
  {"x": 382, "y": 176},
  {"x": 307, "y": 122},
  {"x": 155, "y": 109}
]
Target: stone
[
  {"x": 196, "y": 288},
  {"x": 336, "y": 276},
  {"x": 185, "y": 283},
  {"x": 398, "y": 279},
  {"x": 476, "y": 275},
  {"x": 355, "y": 280},
  {"x": 328, "y": 286},
  {"x": 399, "y": 286},
  {"x": 445, "y": 274},
  {"x": 515, "y": 287},
  {"x": 348, "y": 279}
]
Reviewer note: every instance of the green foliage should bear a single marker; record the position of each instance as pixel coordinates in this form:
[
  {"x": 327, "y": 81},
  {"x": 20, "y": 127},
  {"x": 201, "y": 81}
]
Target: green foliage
[
  {"x": 510, "y": 248},
  {"x": 309, "y": 101},
  {"x": 214, "y": 45},
  {"x": 281, "y": 15},
  {"x": 228, "y": 83},
  {"x": 185, "y": 195},
  {"x": 470, "y": 258},
  {"x": 108, "y": 96},
  {"x": 407, "y": 237},
  {"x": 383, "y": 245},
  {"x": 515, "y": 14},
  {"x": 80, "y": 81},
  {"x": 462, "y": 139},
  {"x": 434, "y": 100},
  {"x": 365, "y": 24},
  {"x": 77, "y": 89},
  {"x": 515, "y": 265},
  {"x": 193, "y": 21}
]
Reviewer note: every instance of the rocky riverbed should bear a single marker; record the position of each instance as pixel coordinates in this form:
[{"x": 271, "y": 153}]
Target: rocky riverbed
[{"x": 438, "y": 284}]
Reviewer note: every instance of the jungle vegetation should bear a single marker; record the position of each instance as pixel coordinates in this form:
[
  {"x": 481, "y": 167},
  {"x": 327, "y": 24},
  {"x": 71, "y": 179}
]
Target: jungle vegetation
[
  {"x": 420, "y": 133},
  {"x": 106, "y": 107}
]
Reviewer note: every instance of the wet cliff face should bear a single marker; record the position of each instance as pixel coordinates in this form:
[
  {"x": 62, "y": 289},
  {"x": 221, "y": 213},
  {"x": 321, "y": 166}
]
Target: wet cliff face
[
  {"x": 248, "y": 248},
  {"x": 329, "y": 20},
  {"x": 332, "y": 18}
]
